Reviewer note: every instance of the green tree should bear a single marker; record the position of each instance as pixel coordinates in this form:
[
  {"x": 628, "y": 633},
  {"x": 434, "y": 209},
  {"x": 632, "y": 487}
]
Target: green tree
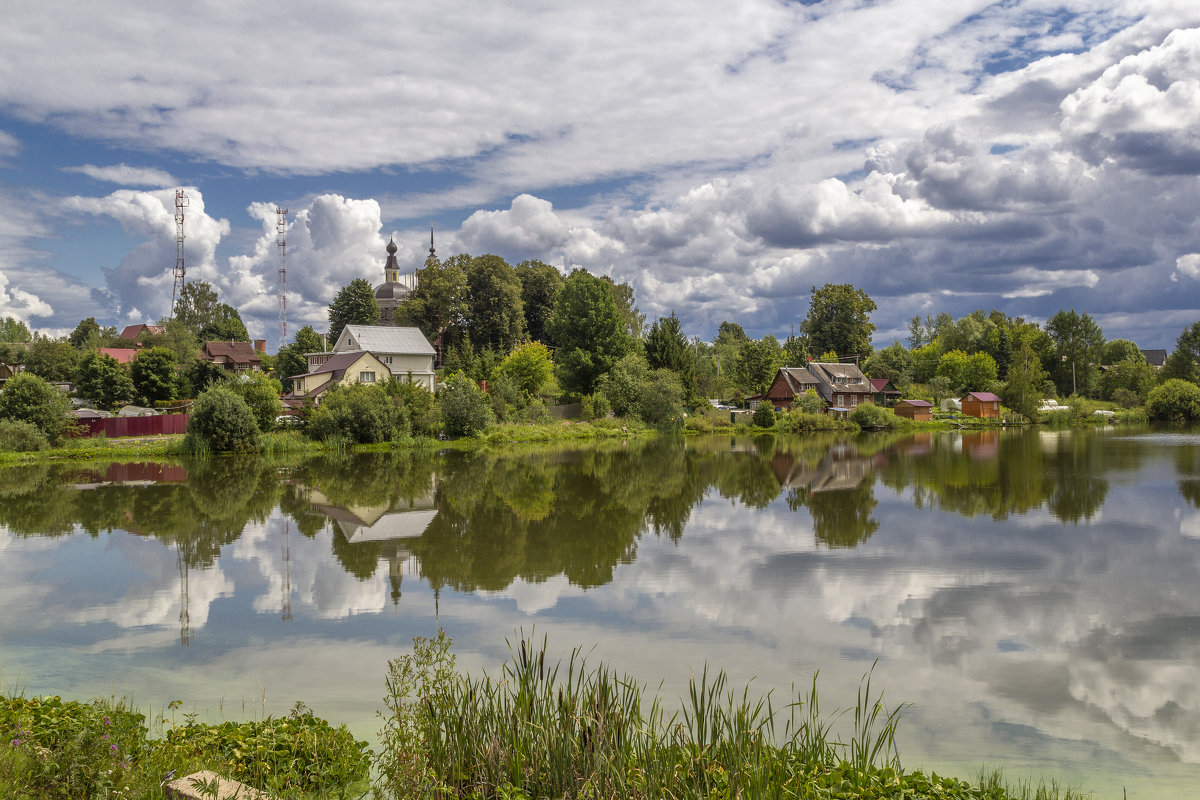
[
  {"x": 530, "y": 366},
  {"x": 417, "y": 402},
  {"x": 731, "y": 332},
  {"x": 14, "y": 330},
  {"x": 155, "y": 374},
  {"x": 967, "y": 373},
  {"x": 839, "y": 319},
  {"x": 795, "y": 351},
  {"x": 225, "y": 326},
  {"x": 667, "y": 348},
  {"x": 86, "y": 331},
  {"x": 1187, "y": 353},
  {"x": 1117, "y": 350},
  {"x": 1179, "y": 365},
  {"x": 925, "y": 361},
  {"x": 622, "y": 294},
  {"x": 1132, "y": 375},
  {"x": 496, "y": 315},
  {"x": 291, "y": 359},
  {"x": 440, "y": 300},
  {"x": 360, "y": 413},
  {"x": 52, "y": 359},
  {"x": 920, "y": 332},
  {"x": 764, "y": 415},
  {"x": 894, "y": 362},
  {"x": 104, "y": 381},
  {"x": 757, "y": 362},
  {"x": 540, "y": 284},
  {"x": 28, "y": 398},
  {"x": 1078, "y": 342},
  {"x": 1023, "y": 390},
  {"x": 465, "y": 409},
  {"x": 196, "y": 306},
  {"x": 589, "y": 331},
  {"x": 221, "y": 422},
  {"x": 355, "y": 304}
]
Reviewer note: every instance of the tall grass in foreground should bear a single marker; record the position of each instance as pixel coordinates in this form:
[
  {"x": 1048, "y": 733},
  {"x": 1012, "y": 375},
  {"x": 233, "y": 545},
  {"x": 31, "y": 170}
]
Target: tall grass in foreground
[{"x": 567, "y": 730}]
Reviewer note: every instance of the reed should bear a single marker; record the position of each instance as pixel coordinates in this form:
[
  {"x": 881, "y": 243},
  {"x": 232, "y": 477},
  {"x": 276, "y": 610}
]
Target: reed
[{"x": 565, "y": 729}]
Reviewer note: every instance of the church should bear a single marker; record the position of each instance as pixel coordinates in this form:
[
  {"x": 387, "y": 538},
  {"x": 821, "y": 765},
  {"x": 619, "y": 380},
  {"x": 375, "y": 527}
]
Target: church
[{"x": 396, "y": 288}]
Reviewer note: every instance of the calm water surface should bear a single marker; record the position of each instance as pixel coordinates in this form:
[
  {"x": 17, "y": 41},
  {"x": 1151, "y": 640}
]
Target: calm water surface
[{"x": 1035, "y": 595}]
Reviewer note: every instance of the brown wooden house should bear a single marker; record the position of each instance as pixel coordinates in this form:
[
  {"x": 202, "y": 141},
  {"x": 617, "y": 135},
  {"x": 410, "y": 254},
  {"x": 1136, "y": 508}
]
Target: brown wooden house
[
  {"x": 234, "y": 356},
  {"x": 885, "y": 394},
  {"x": 788, "y": 384},
  {"x": 916, "y": 410},
  {"x": 842, "y": 386},
  {"x": 981, "y": 404}
]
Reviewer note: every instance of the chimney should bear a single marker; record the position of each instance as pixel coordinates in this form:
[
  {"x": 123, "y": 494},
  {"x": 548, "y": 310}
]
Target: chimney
[{"x": 260, "y": 345}]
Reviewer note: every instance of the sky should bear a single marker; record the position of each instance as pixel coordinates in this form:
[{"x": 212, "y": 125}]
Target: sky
[{"x": 722, "y": 157}]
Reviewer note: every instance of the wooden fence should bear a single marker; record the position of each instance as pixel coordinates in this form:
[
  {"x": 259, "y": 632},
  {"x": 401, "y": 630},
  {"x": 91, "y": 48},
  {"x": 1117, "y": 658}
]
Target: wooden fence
[{"x": 116, "y": 427}]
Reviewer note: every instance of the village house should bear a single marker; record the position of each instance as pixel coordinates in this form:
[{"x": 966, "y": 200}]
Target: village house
[
  {"x": 122, "y": 355},
  {"x": 339, "y": 369},
  {"x": 235, "y": 356},
  {"x": 405, "y": 352},
  {"x": 789, "y": 383},
  {"x": 842, "y": 386},
  {"x": 981, "y": 404},
  {"x": 132, "y": 332},
  {"x": 916, "y": 410}
]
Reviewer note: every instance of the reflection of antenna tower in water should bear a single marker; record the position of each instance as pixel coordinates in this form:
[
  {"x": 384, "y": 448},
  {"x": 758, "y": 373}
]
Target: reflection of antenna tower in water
[
  {"x": 281, "y": 240},
  {"x": 181, "y": 202},
  {"x": 287, "y": 571},
  {"x": 185, "y": 617}
]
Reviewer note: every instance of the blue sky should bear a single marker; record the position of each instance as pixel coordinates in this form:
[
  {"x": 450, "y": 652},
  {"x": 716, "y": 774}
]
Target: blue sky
[{"x": 722, "y": 157}]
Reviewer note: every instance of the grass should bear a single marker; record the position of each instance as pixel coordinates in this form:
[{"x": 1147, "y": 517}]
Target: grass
[{"x": 541, "y": 729}]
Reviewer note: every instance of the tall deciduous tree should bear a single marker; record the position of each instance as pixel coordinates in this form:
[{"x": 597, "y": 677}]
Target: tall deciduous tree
[
  {"x": 86, "y": 330},
  {"x": 155, "y": 374},
  {"x": 589, "y": 330},
  {"x": 1078, "y": 342},
  {"x": 355, "y": 304},
  {"x": 540, "y": 284},
  {"x": 496, "y": 313},
  {"x": 52, "y": 359},
  {"x": 440, "y": 300},
  {"x": 757, "y": 362},
  {"x": 225, "y": 326},
  {"x": 104, "y": 381},
  {"x": 839, "y": 319},
  {"x": 529, "y": 365},
  {"x": 196, "y": 306},
  {"x": 1186, "y": 355},
  {"x": 1023, "y": 390},
  {"x": 14, "y": 330},
  {"x": 635, "y": 321}
]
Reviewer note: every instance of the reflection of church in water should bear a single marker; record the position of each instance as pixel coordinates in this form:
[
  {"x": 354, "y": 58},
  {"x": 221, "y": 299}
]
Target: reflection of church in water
[{"x": 389, "y": 526}]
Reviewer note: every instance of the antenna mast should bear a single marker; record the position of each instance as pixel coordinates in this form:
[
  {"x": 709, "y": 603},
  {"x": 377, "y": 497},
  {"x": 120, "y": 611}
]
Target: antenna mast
[
  {"x": 181, "y": 202},
  {"x": 281, "y": 240}
]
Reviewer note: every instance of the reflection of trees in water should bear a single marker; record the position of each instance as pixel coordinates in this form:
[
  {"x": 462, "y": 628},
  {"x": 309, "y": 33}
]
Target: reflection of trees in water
[
  {"x": 1187, "y": 466},
  {"x": 840, "y": 518},
  {"x": 1014, "y": 473}
]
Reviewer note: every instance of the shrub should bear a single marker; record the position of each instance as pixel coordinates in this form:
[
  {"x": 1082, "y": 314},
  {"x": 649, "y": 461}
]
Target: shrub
[
  {"x": 1125, "y": 398},
  {"x": 361, "y": 413},
  {"x": 661, "y": 403},
  {"x": 595, "y": 406},
  {"x": 529, "y": 366},
  {"x": 27, "y": 398},
  {"x": 869, "y": 415},
  {"x": 1175, "y": 400},
  {"x": 625, "y": 384},
  {"x": 764, "y": 415},
  {"x": 698, "y": 423},
  {"x": 220, "y": 421},
  {"x": 809, "y": 402},
  {"x": 797, "y": 421},
  {"x": 418, "y": 402},
  {"x": 464, "y": 408},
  {"x": 18, "y": 436},
  {"x": 506, "y": 397},
  {"x": 261, "y": 393}
]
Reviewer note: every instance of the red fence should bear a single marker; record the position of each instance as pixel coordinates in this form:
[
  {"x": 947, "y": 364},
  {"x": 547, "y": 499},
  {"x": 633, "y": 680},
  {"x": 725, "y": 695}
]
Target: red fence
[{"x": 116, "y": 427}]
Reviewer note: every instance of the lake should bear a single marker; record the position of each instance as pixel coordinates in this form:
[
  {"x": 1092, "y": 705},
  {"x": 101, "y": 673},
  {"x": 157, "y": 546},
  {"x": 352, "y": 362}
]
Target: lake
[{"x": 1034, "y": 594}]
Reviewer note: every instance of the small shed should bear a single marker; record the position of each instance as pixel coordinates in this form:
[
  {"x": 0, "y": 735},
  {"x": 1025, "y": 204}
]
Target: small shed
[
  {"x": 916, "y": 410},
  {"x": 884, "y": 392},
  {"x": 984, "y": 405}
]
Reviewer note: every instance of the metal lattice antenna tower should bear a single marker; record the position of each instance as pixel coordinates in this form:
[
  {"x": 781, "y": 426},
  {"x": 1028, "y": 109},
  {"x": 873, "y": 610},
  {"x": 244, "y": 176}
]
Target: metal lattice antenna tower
[
  {"x": 181, "y": 202},
  {"x": 281, "y": 240}
]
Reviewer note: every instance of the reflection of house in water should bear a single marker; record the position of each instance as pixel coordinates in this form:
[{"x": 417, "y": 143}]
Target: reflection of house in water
[
  {"x": 841, "y": 468},
  {"x": 385, "y": 526},
  {"x": 980, "y": 446},
  {"x": 133, "y": 474}
]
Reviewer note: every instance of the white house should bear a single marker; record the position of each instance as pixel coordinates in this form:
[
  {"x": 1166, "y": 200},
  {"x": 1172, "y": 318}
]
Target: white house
[{"x": 405, "y": 351}]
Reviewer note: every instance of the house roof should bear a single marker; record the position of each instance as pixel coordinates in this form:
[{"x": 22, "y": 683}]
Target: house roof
[
  {"x": 986, "y": 397},
  {"x": 880, "y": 385},
  {"x": 840, "y": 377},
  {"x": 236, "y": 352},
  {"x": 131, "y": 331},
  {"x": 1155, "y": 358},
  {"x": 123, "y": 355},
  {"x": 798, "y": 379},
  {"x": 916, "y": 403},
  {"x": 384, "y": 339},
  {"x": 338, "y": 363}
]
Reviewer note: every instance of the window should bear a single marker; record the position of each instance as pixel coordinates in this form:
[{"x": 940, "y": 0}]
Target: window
[
  {"x": 387, "y": 359},
  {"x": 366, "y": 377}
]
